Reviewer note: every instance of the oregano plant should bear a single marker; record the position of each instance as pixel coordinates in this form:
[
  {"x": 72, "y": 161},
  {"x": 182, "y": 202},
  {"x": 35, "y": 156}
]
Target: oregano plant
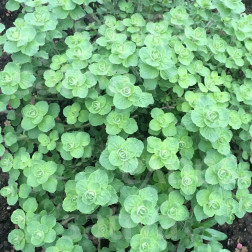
[{"x": 128, "y": 123}]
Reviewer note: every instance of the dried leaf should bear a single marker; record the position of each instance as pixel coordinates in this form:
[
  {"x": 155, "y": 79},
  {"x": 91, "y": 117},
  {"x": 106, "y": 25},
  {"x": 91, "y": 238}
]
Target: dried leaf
[{"x": 244, "y": 249}]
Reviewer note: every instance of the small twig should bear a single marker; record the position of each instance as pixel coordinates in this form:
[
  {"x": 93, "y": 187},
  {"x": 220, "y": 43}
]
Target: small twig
[
  {"x": 70, "y": 127},
  {"x": 67, "y": 220},
  {"x": 99, "y": 244},
  {"x": 146, "y": 180},
  {"x": 47, "y": 99}
]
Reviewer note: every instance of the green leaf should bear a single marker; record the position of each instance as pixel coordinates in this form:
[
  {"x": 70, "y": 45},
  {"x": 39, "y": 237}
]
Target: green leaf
[
  {"x": 166, "y": 222},
  {"x": 30, "y": 205},
  {"x": 148, "y": 72},
  {"x": 199, "y": 213},
  {"x": 149, "y": 193},
  {"x": 50, "y": 185},
  {"x": 47, "y": 123},
  {"x": 18, "y": 217},
  {"x": 104, "y": 160},
  {"x": 96, "y": 119},
  {"x": 2, "y": 27},
  {"x": 156, "y": 162},
  {"x": 17, "y": 238},
  {"x": 131, "y": 126},
  {"x": 213, "y": 235},
  {"x": 24, "y": 191},
  {"x": 125, "y": 219},
  {"x": 2, "y": 150},
  {"x": 211, "y": 134},
  {"x": 12, "y": 5},
  {"x": 84, "y": 208},
  {"x": 202, "y": 197}
]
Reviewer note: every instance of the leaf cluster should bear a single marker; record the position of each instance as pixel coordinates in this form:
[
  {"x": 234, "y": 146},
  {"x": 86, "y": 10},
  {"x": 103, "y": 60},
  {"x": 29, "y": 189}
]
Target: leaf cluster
[{"x": 128, "y": 123}]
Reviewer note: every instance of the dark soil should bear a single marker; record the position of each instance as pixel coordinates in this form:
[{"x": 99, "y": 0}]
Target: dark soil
[
  {"x": 7, "y": 19},
  {"x": 5, "y": 211},
  {"x": 239, "y": 231},
  {"x": 248, "y": 4}
]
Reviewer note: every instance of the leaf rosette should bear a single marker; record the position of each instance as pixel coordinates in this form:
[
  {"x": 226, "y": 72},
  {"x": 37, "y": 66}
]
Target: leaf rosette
[
  {"x": 149, "y": 239},
  {"x": 75, "y": 145},
  {"x": 139, "y": 208},
  {"x": 126, "y": 94},
  {"x": 77, "y": 84},
  {"x": 118, "y": 121},
  {"x": 188, "y": 179},
  {"x": 173, "y": 210},
  {"x": 121, "y": 153},
  {"x": 93, "y": 190},
  {"x": 209, "y": 117},
  {"x": 164, "y": 153}
]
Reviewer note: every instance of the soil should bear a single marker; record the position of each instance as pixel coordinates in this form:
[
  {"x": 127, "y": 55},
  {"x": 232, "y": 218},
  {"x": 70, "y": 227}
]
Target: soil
[
  {"x": 7, "y": 19},
  {"x": 5, "y": 212},
  {"x": 248, "y": 4},
  {"x": 239, "y": 232}
]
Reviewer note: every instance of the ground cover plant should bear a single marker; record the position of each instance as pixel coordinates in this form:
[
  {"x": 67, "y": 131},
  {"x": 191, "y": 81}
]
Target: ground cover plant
[{"x": 129, "y": 123}]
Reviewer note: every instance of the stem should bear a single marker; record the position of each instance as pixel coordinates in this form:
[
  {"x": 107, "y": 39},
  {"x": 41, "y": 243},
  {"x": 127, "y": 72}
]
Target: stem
[
  {"x": 149, "y": 12},
  {"x": 59, "y": 206},
  {"x": 135, "y": 116},
  {"x": 96, "y": 18},
  {"x": 22, "y": 138},
  {"x": 136, "y": 74},
  {"x": 209, "y": 23},
  {"x": 70, "y": 127},
  {"x": 47, "y": 99},
  {"x": 139, "y": 7},
  {"x": 5, "y": 112},
  {"x": 67, "y": 220},
  {"x": 62, "y": 178},
  {"x": 146, "y": 180},
  {"x": 167, "y": 106},
  {"x": 115, "y": 6},
  {"x": 99, "y": 244}
]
